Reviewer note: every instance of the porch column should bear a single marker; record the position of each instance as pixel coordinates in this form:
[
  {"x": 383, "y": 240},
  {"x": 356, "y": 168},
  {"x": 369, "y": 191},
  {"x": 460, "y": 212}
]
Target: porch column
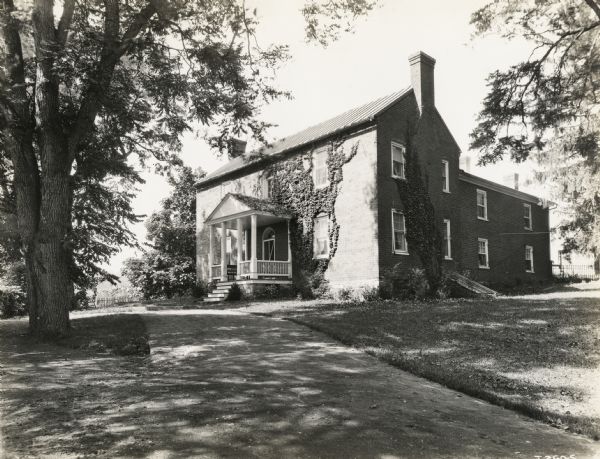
[
  {"x": 239, "y": 248},
  {"x": 253, "y": 264},
  {"x": 223, "y": 250},
  {"x": 289, "y": 250},
  {"x": 210, "y": 251}
]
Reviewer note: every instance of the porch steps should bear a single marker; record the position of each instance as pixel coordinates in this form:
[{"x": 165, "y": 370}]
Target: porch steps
[
  {"x": 219, "y": 294},
  {"x": 474, "y": 287}
]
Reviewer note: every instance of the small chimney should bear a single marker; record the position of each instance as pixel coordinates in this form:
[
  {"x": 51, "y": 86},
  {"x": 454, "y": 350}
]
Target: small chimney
[
  {"x": 237, "y": 148},
  {"x": 422, "y": 79},
  {"x": 516, "y": 181}
]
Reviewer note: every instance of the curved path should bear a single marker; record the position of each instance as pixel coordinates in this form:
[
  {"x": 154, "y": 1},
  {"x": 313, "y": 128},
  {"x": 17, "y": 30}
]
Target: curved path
[{"x": 227, "y": 384}]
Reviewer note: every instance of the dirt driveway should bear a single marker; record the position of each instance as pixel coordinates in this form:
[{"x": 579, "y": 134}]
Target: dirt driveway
[{"x": 226, "y": 384}]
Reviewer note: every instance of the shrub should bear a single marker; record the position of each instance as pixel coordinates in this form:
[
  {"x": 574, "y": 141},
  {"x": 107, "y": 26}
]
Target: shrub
[
  {"x": 344, "y": 294},
  {"x": 311, "y": 285},
  {"x": 370, "y": 294},
  {"x": 12, "y": 302},
  {"x": 200, "y": 289},
  {"x": 235, "y": 293},
  {"x": 396, "y": 283}
]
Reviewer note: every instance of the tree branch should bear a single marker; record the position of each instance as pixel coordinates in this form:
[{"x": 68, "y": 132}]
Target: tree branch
[
  {"x": 65, "y": 22},
  {"x": 594, "y": 6},
  {"x": 112, "y": 52}
]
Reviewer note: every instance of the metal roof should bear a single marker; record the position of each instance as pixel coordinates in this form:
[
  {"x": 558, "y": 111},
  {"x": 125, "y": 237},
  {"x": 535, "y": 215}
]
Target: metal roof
[{"x": 340, "y": 123}]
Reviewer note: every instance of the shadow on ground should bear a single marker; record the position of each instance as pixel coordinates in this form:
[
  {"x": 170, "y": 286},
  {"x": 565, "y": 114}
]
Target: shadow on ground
[
  {"x": 220, "y": 384},
  {"x": 542, "y": 354}
]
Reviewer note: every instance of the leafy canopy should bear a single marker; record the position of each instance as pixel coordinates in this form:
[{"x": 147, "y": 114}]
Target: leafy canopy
[
  {"x": 125, "y": 80},
  {"x": 168, "y": 267},
  {"x": 546, "y": 108}
]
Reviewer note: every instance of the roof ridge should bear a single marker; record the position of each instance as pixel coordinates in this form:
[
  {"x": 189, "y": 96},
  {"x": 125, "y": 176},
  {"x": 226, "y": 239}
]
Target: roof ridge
[{"x": 343, "y": 121}]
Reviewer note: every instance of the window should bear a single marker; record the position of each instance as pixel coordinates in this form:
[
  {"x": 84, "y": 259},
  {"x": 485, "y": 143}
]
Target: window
[
  {"x": 445, "y": 177},
  {"x": 527, "y": 216},
  {"x": 447, "y": 241},
  {"x": 399, "y": 232},
  {"x": 268, "y": 186},
  {"x": 398, "y": 161},
  {"x": 268, "y": 245},
  {"x": 483, "y": 255},
  {"x": 321, "y": 237},
  {"x": 528, "y": 259},
  {"x": 482, "y": 205},
  {"x": 320, "y": 172}
]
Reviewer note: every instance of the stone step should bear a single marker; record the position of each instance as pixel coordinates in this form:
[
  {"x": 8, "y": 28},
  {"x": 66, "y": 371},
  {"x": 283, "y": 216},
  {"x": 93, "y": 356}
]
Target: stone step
[
  {"x": 225, "y": 283},
  {"x": 212, "y": 300},
  {"x": 221, "y": 290},
  {"x": 217, "y": 295}
]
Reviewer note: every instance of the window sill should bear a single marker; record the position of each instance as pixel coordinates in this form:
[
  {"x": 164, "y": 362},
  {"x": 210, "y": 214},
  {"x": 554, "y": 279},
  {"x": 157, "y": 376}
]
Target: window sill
[
  {"x": 482, "y": 219},
  {"x": 484, "y": 267},
  {"x": 448, "y": 258},
  {"x": 446, "y": 191},
  {"x": 528, "y": 229},
  {"x": 320, "y": 187},
  {"x": 320, "y": 257},
  {"x": 530, "y": 272},
  {"x": 398, "y": 177},
  {"x": 398, "y": 252}
]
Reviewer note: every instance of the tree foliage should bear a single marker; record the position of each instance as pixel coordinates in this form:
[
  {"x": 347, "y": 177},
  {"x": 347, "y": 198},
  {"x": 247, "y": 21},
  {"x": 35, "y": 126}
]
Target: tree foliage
[
  {"x": 168, "y": 266},
  {"x": 88, "y": 87},
  {"x": 546, "y": 108}
]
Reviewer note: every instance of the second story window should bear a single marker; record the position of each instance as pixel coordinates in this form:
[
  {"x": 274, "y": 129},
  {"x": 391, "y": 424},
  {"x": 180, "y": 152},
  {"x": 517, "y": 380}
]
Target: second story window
[
  {"x": 268, "y": 186},
  {"x": 321, "y": 236},
  {"x": 320, "y": 172},
  {"x": 482, "y": 213},
  {"x": 527, "y": 216},
  {"x": 398, "y": 161},
  {"x": 399, "y": 232},
  {"x": 445, "y": 177}
]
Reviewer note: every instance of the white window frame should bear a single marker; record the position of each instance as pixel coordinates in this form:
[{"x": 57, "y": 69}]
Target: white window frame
[
  {"x": 487, "y": 253},
  {"x": 403, "y": 232},
  {"x": 315, "y": 246},
  {"x": 445, "y": 176},
  {"x": 448, "y": 239},
  {"x": 268, "y": 186},
  {"x": 529, "y": 251},
  {"x": 529, "y": 216},
  {"x": 484, "y": 206},
  {"x": 403, "y": 162},
  {"x": 318, "y": 154}
]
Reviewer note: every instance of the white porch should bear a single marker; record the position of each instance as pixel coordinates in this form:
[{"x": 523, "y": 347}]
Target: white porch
[{"x": 245, "y": 237}]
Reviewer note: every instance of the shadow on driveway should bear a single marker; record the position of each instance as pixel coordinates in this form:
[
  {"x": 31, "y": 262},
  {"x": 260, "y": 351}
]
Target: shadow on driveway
[{"x": 223, "y": 384}]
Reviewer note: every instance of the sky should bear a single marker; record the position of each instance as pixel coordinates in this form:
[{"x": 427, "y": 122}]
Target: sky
[{"x": 362, "y": 66}]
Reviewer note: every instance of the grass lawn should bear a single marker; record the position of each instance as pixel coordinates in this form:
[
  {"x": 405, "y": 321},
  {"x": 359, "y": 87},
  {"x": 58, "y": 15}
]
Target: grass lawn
[
  {"x": 540, "y": 357},
  {"x": 118, "y": 334}
]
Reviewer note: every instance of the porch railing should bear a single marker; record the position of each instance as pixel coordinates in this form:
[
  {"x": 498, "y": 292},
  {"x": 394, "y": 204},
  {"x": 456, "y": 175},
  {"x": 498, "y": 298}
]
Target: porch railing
[
  {"x": 215, "y": 271},
  {"x": 244, "y": 267},
  {"x": 273, "y": 268}
]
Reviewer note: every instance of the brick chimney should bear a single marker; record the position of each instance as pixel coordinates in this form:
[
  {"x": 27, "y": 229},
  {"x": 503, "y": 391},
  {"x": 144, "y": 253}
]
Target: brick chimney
[
  {"x": 422, "y": 79},
  {"x": 237, "y": 148}
]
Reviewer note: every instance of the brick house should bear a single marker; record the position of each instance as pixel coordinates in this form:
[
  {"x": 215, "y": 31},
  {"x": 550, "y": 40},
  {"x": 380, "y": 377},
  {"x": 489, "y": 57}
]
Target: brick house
[{"x": 353, "y": 163}]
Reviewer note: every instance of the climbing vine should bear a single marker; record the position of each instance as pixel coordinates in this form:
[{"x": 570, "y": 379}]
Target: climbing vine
[
  {"x": 422, "y": 232},
  {"x": 294, "y": 189}
]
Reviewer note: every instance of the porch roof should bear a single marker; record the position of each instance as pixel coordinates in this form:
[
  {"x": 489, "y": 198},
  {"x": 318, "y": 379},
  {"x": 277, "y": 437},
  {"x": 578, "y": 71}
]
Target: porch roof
[{"x": 236, "y": 205}]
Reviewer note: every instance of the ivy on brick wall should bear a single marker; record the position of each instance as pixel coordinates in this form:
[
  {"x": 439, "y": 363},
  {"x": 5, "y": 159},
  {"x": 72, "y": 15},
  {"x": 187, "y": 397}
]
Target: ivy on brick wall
[
  {"x": 422, "y": 233},
  {"x": 293, "y": 188}
]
